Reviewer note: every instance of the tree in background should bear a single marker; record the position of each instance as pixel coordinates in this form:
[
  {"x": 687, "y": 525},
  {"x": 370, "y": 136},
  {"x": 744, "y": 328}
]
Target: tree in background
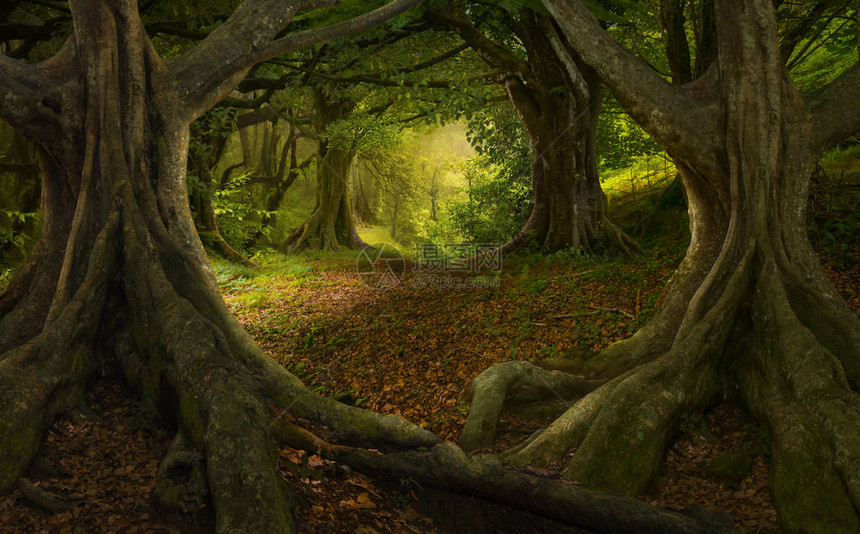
[
  {"x": 558, "y": 99},
  {"x": 331, "y": 224},
  {"x": 365, "y": 90}
]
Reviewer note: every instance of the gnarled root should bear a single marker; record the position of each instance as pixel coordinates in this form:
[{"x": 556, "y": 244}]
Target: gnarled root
[
  {"x": 618, "y": 240},
  {"x": 448, "y": 468},
  {"x": 620, "y": 431},
  {"x": 518, "y": 381},
  {"x": 47, "y": 374},
  {"x": 800, "y": 390},
  {"x": 787, "y": 375},
  {"x": 182, "y": 476}
]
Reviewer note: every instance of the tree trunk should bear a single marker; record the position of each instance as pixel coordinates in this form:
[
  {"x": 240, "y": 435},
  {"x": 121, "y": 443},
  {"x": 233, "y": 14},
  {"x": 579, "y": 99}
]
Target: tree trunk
[
  {"x": 569, "y": 204},
  {"x": 559, "y": 104},
  {"x": 361, "y": 205},
  {"x": 279, "y": 183},
  {"x": 119, "y": 282},
  {"x": 750, "y": 310},
  {"x": 331, "y": 225}
]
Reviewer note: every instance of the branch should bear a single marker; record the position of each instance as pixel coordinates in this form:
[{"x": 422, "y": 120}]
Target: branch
[
  {"x": 18, "y": 99},
  {"x": 794, "y": 35},
  {"x": 835, "y": 110},
  {"x": 678, "y": 122},
  {"x": 30, "y": 95},
  {"x": 808, "y": 49},
  {"x": 454, "y": 52},
  {"x": 493, "y": 53},
  {"x": 491, "y": 77},
  {"x": 335, "y": 31},
  {"x": 174, "y": 28},
  {"x": 248, "y": 37}
]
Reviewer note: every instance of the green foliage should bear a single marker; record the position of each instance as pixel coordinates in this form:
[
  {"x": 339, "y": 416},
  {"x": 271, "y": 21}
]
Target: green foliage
[
  {"x": 361, "y": 133},
  {"x": 239, "y": 218},
  {"x": 821, "y": 61},
  {"x": 833, "y": 222},
  {"x": 12, "y": 230},
  {"x": 620, "y": 141},
  {"x": 497, "y": 203},
  {"x": 498, "y": 181}
]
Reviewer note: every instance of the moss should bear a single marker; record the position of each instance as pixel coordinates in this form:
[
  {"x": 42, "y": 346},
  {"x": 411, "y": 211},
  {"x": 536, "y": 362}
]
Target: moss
[
  {"x": 810, "y": 497},
  {"x": 191, "y": 418},
  {"x": 22, "y": 446}
]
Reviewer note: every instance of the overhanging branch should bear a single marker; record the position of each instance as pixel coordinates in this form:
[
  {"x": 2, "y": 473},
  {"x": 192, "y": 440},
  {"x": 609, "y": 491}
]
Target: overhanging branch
[
  {"x": 248, "y": 37},
  {"x": 663, "y": 110}
]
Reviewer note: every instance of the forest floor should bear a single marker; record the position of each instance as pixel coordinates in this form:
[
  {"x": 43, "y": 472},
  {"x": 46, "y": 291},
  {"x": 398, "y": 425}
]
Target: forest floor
[{"x": 410, "y": 351}]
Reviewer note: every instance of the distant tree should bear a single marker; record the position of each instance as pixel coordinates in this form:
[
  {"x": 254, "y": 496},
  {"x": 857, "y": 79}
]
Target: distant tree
[
  {"x": 209, "y": 137},
  {"x": 558, "y": 98}
]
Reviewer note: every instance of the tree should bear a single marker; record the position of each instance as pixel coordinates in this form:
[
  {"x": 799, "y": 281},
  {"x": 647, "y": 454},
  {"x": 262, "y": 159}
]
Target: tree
[
  {"x": 208, "y": 142},
  {"x": 558, "y": 99},
  {"x": 331, "y": 224},
  {"x": 276, "y": 167},
  {"x": 750, "y": 310},
  {"x": 119, "y": 278},
  {"x": 362, "y": 95}
]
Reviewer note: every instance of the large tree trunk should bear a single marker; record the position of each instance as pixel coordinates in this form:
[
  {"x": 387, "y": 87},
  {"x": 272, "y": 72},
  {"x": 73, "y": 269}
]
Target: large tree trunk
[
  {"x": 331, "y": 225},
  {"x": 558, "y": 100},
  {"x": 750, "y": 310},
  {"x": 569, "y": 205},
  {"x": 119, "y": 281}
]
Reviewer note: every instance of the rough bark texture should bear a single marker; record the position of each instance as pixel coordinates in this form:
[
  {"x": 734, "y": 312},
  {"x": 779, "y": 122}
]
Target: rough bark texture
[
  {"x": 331, "y": 225},
  {"x": 119, "y": 279},
  {"x": 750, "y": 310},
  {"x": 558, "y": 97}
]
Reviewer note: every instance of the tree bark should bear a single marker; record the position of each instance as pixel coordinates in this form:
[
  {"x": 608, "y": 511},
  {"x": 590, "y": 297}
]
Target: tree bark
[
  {"x": 750, "y": 309},
  {"x": 569, "y": 205},
  {"x": 331, "y": 225},
  {"x": 558, "y": 99},
  {"x": 119, "y": 279}
]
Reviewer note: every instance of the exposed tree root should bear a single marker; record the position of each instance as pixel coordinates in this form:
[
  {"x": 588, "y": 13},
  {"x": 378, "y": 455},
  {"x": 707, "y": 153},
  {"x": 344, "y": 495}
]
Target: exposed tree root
[
  {"x": 42, "y": 498},
  {"x": 47, "y": 374},
  {"x": 182, "y": 476},
  {"x": 800, "y": 389},
  {"x": 789, "y": 380},
  {"x": 618, "y": 240},
  {"x": 446, "y": 467},
  {"x": 517, "y": 381}
]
